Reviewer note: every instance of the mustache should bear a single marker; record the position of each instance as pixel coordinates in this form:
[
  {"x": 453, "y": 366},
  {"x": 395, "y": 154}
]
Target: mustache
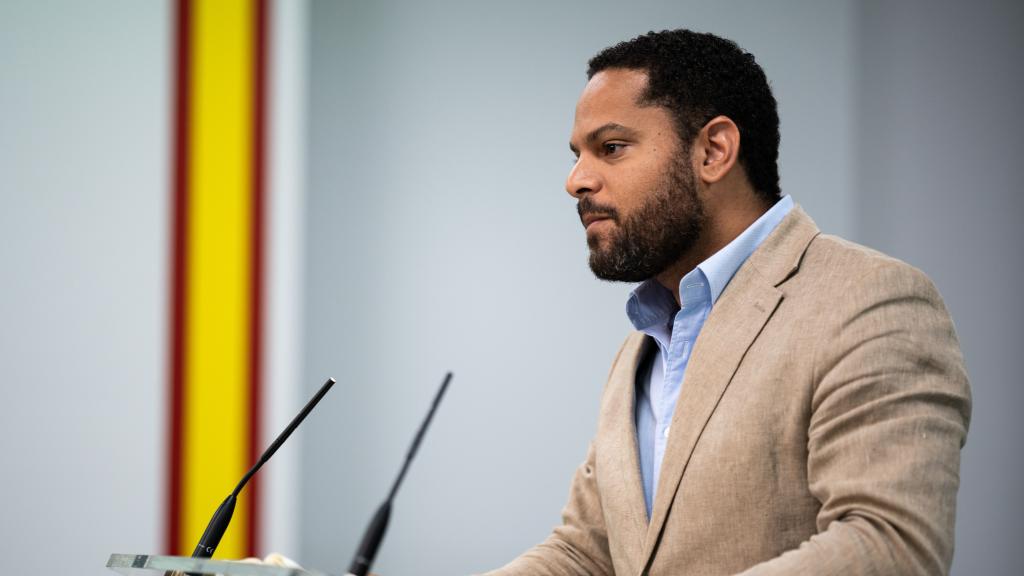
[{"x": 587, "y": 206}]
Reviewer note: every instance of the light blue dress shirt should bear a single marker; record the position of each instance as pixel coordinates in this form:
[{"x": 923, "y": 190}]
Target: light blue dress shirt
[{"x": 653, "y": 311}]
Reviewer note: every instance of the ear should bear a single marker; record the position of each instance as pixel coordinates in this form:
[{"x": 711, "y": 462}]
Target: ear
[{"x": 717, "y": 148}]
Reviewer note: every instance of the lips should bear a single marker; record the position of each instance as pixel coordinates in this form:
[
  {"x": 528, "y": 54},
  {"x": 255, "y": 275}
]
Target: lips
[{"x": 589, "y": 219}]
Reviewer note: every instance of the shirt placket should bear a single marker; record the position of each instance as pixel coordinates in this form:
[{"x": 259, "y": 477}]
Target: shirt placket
[
  {"x": 672, "y": 370},
  {"x": 694, "y": 300}
]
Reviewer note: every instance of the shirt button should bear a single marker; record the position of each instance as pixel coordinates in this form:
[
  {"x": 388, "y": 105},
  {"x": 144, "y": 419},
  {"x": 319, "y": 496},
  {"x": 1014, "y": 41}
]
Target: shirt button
[{"x": 665, "y": 433}]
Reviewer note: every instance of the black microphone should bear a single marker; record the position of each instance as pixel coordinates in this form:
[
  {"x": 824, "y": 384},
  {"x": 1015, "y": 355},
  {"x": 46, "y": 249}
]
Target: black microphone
[
  {"x": 378, "y": 525},
  {"x": 222, "y": 517}
]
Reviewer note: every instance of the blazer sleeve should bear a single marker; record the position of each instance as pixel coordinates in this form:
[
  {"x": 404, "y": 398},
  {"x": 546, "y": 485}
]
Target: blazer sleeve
[
  {"x": 579, "y": 545},
  {"x": 889, "y": 415}
]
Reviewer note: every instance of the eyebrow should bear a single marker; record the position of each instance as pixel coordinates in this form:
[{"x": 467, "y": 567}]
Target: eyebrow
[{"x": 600, "y": 131}]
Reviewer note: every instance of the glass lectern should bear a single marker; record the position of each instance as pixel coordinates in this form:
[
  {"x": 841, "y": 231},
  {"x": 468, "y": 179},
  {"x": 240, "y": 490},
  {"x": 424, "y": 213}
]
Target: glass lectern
[{"x": 154, "y": 565}]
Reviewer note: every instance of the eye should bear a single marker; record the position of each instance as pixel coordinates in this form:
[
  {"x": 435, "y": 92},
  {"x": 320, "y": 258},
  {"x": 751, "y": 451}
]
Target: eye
[{"x": 612, "y": 148}]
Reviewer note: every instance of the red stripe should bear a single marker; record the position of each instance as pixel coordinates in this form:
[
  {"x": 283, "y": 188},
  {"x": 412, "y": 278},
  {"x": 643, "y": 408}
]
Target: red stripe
[
  {"x": 259, "y": 174},
  {"x": 179, "y": 270}
]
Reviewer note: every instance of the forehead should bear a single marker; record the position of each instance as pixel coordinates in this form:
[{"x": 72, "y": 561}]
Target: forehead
[{"x": 611, "y": 97}]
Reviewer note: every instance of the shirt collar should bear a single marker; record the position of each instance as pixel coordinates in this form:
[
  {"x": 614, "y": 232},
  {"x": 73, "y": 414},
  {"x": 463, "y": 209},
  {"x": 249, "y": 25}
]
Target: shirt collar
[{"x": 650, "y": 303}]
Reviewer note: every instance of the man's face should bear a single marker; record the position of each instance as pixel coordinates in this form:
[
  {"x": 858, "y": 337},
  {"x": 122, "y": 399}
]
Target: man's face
[{"x": 636, "y": 192}]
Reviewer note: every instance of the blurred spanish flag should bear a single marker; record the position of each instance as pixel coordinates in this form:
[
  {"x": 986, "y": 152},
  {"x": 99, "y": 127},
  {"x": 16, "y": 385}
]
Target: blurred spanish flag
[{"x": 218, "y": 190}]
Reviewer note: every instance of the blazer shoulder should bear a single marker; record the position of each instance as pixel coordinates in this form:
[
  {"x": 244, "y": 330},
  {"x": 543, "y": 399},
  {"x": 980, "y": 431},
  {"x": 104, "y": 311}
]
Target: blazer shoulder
[
  {"x": 855, "y": 269},
  {"x": 839, "y": 251}
]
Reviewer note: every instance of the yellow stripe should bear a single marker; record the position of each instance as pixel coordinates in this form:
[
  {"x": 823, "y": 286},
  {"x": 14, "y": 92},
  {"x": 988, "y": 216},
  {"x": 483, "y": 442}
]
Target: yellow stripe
[{"x": 217, "y": 343}]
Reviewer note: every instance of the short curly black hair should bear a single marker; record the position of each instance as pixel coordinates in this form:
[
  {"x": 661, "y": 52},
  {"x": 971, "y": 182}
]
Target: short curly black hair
[{"x": 698, "y": 76}]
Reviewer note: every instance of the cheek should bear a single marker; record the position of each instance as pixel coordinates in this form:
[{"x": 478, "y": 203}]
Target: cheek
[{"x": 633, "y": 188}]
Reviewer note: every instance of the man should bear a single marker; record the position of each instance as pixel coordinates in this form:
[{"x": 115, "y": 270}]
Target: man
[{"x": 791, "y": 403}]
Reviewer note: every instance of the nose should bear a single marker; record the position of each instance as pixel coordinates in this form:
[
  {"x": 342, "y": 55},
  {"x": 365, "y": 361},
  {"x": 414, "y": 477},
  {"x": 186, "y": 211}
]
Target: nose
[{"x": 582, "y": 179}]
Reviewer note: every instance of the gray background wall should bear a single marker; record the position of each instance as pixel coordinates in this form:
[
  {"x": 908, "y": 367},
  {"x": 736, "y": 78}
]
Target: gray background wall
[
  {"x": 440, "y": 237},
  {"x": 940, "y": 139}
]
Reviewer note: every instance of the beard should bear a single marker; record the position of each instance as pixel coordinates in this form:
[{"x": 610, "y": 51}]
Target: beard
[{"x": 655, "y": 236}]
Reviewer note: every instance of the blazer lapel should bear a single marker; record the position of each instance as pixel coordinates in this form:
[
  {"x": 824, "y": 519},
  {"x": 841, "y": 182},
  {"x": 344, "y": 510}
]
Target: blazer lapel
[
  {"x": 626, "y": 510},
  {"x": 735, "y": 321}
]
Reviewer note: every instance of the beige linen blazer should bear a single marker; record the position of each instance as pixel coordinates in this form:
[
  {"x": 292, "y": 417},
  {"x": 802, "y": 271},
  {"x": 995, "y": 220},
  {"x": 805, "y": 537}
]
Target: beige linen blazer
[{"x": 818, "y": 431}]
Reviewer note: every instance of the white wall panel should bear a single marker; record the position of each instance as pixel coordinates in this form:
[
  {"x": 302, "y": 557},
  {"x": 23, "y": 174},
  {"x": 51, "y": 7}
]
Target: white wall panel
[{"x": 83, "y": 153}]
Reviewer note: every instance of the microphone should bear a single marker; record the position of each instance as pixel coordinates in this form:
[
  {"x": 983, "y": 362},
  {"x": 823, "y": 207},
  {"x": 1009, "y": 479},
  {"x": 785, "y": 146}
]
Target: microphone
[
  {"x": 222, "y": 517},
  {"x": 374, "y": 534}
]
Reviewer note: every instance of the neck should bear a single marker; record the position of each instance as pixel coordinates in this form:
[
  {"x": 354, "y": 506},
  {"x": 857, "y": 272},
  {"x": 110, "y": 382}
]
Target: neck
[{"x": 724, "y": 223}]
